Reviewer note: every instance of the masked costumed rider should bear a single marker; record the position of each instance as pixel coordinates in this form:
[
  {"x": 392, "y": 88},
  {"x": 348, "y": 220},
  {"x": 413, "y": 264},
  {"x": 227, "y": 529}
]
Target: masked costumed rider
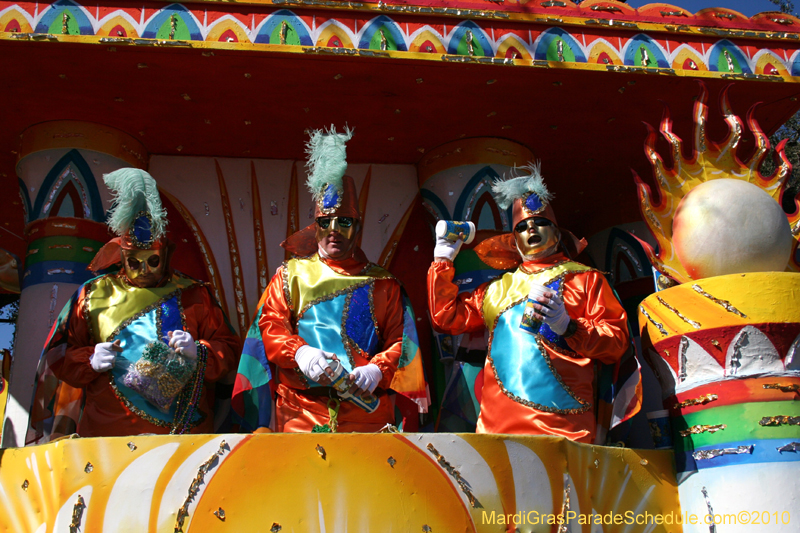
[
  {"x": 538, "y": 378},
  {"x": 165, "y": 327},
  {"x": 329, "y": 304}
]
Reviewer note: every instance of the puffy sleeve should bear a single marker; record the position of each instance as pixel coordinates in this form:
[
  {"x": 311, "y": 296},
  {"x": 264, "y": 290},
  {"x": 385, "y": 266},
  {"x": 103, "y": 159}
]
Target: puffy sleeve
[
  {"x": 277, "y": 329},
  {"x": 206, "y": 321},
  {"x": 75, "y": 369},
  {"x": 602, "y": 331},
  {"x": 452, "y": 312},
  {"x": 388, "y": 301}
]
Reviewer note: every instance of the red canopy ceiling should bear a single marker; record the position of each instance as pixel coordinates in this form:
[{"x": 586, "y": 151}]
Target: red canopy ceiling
[{"x": 586, "y": 126}]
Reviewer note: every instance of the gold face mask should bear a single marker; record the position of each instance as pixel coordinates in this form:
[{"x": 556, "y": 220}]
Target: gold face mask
[
  {"x": 336, "y": 236},
  {"x": 144, "y": 268},
  {"x": 536, "y": 237}
]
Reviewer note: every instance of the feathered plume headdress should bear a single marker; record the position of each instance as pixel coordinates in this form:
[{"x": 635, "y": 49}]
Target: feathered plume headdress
[
  {"x": 327, "y": 163},
  {"x": 137, "y": 209},
  {"x": 520, "y": 185}
]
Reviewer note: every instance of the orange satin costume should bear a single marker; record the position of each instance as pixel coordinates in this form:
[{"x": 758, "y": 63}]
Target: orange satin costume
[
  {"x": 298, "y": 407},
  {"x": 601, "y": 334},
  {"x": 104, "y": 413}
]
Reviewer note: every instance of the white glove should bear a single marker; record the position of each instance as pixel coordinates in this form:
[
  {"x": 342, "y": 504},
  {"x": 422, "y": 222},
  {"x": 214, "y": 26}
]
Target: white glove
[
  {"x": 555, "y": 315},
  {"x": 366, "y": 377},
  {"x": 313, "y": 362},
  {"x": 183, "y": 343},
  {"x": 446, "y": 249},
  {"x": 104, "y": 356}
]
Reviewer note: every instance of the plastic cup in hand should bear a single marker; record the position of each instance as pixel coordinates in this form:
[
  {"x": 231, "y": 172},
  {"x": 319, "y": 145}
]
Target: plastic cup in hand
[{"x": 453, "y": 230}]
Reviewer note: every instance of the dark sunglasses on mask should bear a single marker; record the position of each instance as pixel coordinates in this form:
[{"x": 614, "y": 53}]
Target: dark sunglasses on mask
[
  {"x": 344, "y": 222},
  {"x": 539, "y": 221}
]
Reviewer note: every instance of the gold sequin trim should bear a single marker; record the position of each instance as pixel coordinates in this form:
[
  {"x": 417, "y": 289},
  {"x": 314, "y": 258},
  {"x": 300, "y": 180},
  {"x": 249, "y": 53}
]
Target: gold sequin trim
[
  {"x": 656, "y": 324},
  {"x": 127, "y": 322},
  {"x": 462, "y": 483},
  {"x": 90, "y": 286},
  {"x": 333, "y": 295},
  {"x": 780, "y": 421},
  {"x": 285, "y": 277},
  {"x": 695, "y": 325},
  {"x": 724, "y": 303},
  {"x": 585, "y": 406},
  {"x": 702, "y": 400},
  {"x": 346, "y": 340},
  {"x": 794, "y": 387},
  {"x": 695, "y": 430},
  {"x": 118, "y": 393}
]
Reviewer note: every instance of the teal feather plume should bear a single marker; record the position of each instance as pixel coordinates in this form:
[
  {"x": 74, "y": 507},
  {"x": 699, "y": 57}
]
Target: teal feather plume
[
  {"x": 134, "y": 190},
  {"x": 506, "y": 190},
  {"x": 327, "y": 159}
]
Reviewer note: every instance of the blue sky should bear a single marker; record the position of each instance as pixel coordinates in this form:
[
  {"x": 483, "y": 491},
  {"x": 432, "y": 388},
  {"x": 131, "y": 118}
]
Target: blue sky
[{"x": 745, "y": 7}]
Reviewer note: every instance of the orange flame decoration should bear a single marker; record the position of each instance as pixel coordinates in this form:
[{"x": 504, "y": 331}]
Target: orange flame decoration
[{"x": 710, "y": 161}]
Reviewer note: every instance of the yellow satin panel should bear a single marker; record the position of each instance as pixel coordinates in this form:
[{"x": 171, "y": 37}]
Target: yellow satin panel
[
  {"x": 308, "y": 281},
  {"x": 110, "y": 301},
  {"x": 514, "y": 286}
]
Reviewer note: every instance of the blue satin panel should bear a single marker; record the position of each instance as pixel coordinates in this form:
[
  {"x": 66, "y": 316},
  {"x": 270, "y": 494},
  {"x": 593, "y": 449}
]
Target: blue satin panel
[
  {"x": 133, "y": 340},
  {"x": 522, "y": 368},
  {"x": 321, "y": 327},
  {"x": 358, "y": 323}
]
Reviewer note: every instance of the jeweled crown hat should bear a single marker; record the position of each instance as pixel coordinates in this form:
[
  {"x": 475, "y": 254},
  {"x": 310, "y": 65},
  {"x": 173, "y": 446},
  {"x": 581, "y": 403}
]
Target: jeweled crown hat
[
  {"x": 528, "y": 196},
  {"x": 526, "y": 192},
  {"x": 137, "y": 216},
  {"x": 333, "y": 192}
]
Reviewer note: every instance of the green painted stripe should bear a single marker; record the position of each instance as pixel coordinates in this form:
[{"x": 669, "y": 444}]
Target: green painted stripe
[
  {"x": 742, "y": 423},
  {"x": 76, "y": 253}
]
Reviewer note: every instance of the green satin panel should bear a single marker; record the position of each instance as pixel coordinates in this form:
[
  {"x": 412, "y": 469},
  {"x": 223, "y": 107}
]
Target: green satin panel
[
  {"x": 111, "y": 302},
  {"x": 308, "y": 281},
  {"x": 513, "y": 287}
]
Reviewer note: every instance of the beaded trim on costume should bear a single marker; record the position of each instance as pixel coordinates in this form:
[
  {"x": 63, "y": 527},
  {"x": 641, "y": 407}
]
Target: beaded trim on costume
[
  {"x": 333, "y": 295},
  {"x": 85, "y": 306},
  {"x": 285, "y": 278},
  {"x": 346, "y": 340},
  {"x": 122, "y": 398},
  {"x": 585, "y": 406}
]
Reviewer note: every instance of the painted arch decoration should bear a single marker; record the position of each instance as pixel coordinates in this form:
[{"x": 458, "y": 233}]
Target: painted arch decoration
[
  {"x": 14, "y": 19},
  {"x": 727, "y": 57},
  {"x": 120, "y": 25},
  {"x": 558, "y": 45},
  {"x": 477, "y": 204},
  {"x": 297, "y": 32},
  {"x": 480, "y": 42},
  {"x": 603, "y": 53},
  {"x": 643, "y": 51},
  {"x": 227, "y": 30},
  {"x": 161, "y": 25},
  {"x": 428, "y": 41},
  {"x": 69, "y": 189},
  {"x": 511, "y": 47},
  {"x": 333, "y": 34},
  {"x": 371, "y": 37},
  {"x": 686, "y": 58},
  {"x": 770, "y": 64},
  {"x": 65, "y": 13}
]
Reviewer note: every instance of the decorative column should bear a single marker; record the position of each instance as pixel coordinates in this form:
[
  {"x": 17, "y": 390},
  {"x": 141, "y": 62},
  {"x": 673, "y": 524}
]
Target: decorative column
[
  {"x": 455, "y": 181},
  {"x": 60, "y": 165}
]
